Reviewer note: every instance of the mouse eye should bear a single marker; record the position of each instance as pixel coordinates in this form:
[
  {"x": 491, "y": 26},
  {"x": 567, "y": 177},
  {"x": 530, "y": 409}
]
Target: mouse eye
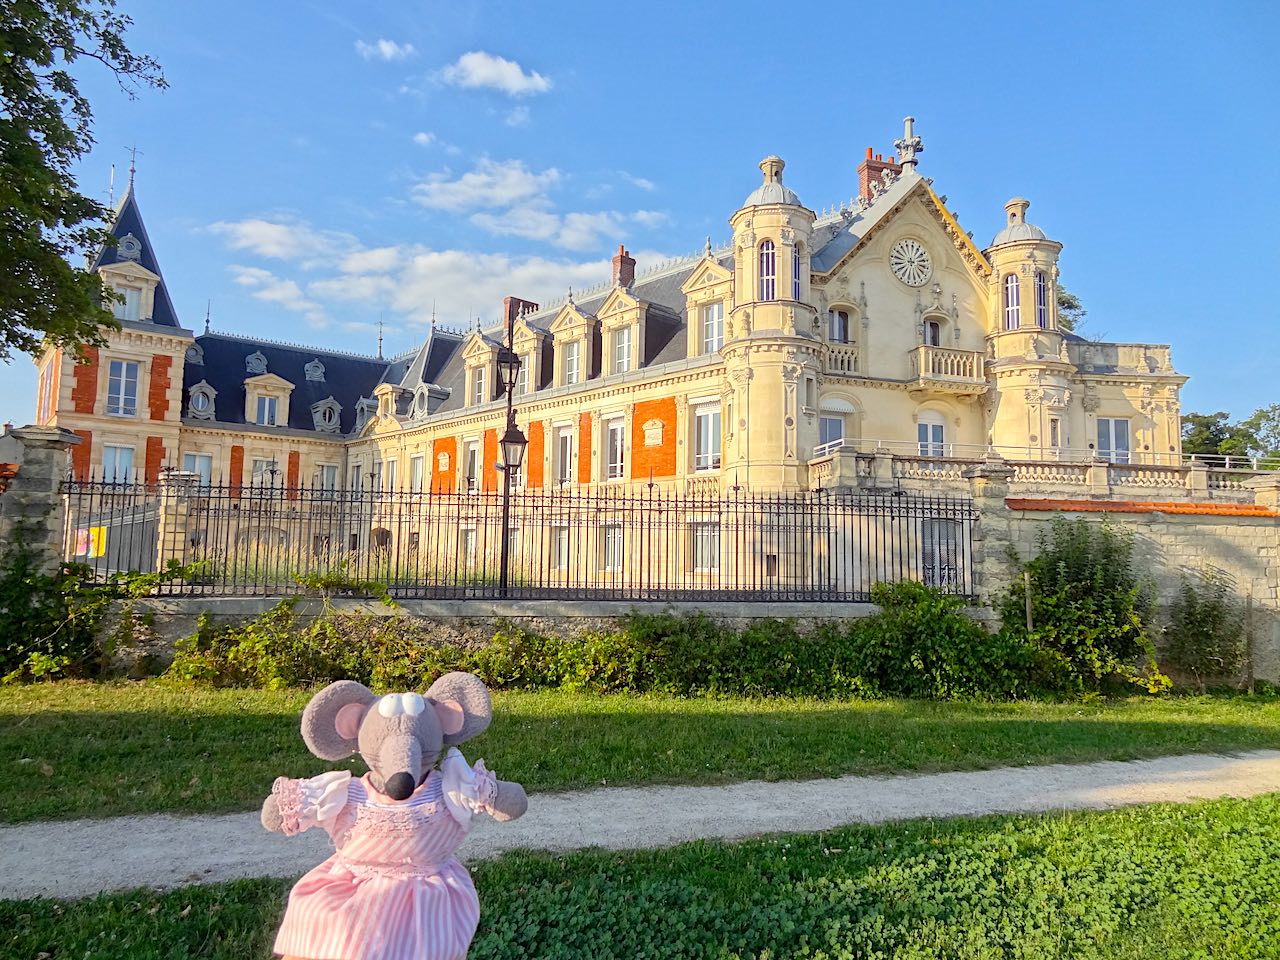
[
  {"x": 412, "y": 703},
  {"x": 390, "y": 706}
]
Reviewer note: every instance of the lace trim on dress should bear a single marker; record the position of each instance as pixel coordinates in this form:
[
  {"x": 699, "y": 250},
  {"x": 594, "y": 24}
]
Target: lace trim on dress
[{"x": 288, "y": 802}]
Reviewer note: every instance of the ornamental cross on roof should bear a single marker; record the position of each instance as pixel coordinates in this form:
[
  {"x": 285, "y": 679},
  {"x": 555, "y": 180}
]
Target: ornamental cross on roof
[{"x": 909, "y": 145}]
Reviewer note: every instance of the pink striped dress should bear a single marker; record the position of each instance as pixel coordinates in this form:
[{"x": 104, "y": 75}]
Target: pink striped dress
[{"x": 393, "y": 890}]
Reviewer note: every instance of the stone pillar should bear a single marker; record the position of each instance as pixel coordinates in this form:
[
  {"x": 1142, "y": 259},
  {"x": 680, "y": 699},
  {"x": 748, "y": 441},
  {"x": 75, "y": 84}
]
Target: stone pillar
[
  {"x": 1198, "y": 478},
  {"x": 173, "y": 536},
  {"x": 994, "y": 566},
  {"x": 882, "y": 468},
  {"x": 1266, "y": 490},
  {"x": 1099, "y": 478},
  {"x": 32, "y": 509}
]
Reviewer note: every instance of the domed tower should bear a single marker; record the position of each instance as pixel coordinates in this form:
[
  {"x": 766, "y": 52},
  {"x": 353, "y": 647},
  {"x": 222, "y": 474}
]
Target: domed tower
[
  {"x": 1029, "y": 357},
  {"x": 772, "y": 355}
]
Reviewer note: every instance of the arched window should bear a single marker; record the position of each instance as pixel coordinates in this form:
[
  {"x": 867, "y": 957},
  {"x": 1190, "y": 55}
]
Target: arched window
[
  {"x": 839, "y": 326},
  {"x": 1012, "y": 312},
  {"x": 795, "y": 272},
  {"x": 768, "y": 271},
  {"x": 1042, "y": 301}
]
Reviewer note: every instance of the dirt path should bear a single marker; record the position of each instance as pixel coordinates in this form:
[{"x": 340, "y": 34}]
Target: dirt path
[{"x": 83, "y": 857}]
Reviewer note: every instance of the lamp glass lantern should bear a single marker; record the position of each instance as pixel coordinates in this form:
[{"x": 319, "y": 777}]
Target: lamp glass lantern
[
  {"x": 508, "y": 368},
  {"x": 513, "y": 446}
]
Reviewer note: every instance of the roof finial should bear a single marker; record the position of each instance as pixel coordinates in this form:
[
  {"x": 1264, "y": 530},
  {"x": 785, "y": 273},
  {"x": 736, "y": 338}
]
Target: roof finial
[
  {"x": 111, "y": 187},
  {"x": 133, "y": 162},
  {"x": 909, "y": 145},
  {"x": 379, "y": 335},
  {"x": 433, "y": 311},
  {"x": 208, "y": 309},
  {"x": 706, "y": 251},
  {"x": 569, "y": 299}
]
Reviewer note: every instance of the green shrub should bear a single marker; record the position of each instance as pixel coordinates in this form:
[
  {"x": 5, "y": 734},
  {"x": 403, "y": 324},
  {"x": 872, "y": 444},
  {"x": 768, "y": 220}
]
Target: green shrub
[
  {"x": 1206, "y": 632},
  {"x": 1090, "y": 612}
]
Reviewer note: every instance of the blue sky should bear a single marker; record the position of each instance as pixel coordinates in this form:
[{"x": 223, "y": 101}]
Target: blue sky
[{"x": 313, "y": 166}]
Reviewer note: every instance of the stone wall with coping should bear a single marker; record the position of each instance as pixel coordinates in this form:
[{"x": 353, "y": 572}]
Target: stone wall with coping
[{"x": 31, "y": 505}]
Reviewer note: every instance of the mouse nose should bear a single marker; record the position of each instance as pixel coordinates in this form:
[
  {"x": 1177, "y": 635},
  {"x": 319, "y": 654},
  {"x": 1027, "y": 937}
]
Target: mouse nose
[{"x": 400, "y": 786}]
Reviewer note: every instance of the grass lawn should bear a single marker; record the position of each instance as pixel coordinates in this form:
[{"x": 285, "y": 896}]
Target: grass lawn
[
  {"x": 1193, "y": 881},
  {"x": 80, "y": 749}
]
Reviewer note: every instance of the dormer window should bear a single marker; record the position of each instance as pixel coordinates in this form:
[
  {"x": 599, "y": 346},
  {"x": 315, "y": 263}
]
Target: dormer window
[
  {"x": 314, "y": 371},
  {"x": 478, "y": 384},
  {"x": 266, "y": 412},
  {"x": 713, "y": 327},
  {"x": 768, "y": 270},
  {"x": 200, "y": 401},
  {"x": 1012, "y": 310},
  {"x": 522, "y": 377},
  {"x": 1042, "y": 301},
  {"x": 327, "y": 415},
  {"x": 622, "y": 350},
  {"x": 572, "y": 365},
  {"x": 130, "y": 308}
]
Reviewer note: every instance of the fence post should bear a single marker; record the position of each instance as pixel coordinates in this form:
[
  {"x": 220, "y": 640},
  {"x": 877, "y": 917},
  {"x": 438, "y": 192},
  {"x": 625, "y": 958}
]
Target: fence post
[
  {"x": 1198, "y": 478},
  {"x": 177, "y": 487},
  {"x": 35, "y": 461},
  {"x": 882, "y": 468},
  {"x": 993, "y": 533},
  {"x": 1099, "y": 477}
]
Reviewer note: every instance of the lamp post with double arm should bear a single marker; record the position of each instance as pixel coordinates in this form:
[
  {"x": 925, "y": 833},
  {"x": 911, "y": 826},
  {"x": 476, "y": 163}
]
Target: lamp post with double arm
[{"x": 513, "y": 445}]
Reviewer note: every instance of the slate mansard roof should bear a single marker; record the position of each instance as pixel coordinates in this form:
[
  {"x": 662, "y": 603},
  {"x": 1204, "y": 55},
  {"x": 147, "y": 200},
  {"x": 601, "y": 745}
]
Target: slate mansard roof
[{"x": 128, "y": 223}]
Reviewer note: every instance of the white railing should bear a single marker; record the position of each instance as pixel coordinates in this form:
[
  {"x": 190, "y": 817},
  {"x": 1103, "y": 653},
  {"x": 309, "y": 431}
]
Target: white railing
[
  {"x": 703, "y": 486},
  {"x": 942, "y": 363},
  {"x": 842, "y": 358},
  {"x": 828, "y": 448},
  {"x": 928, "y": 468},
  {"x": 1146, "y": 475},
  {"x": 1223, "y": 462},
  {"x": 1051, "y": 473}
]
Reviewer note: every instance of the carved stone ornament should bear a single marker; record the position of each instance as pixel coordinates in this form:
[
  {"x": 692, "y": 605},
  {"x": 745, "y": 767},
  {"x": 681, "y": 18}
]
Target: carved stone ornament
[
  {"x": 315, "y": 371},
  {"x": 787, "y": 236},
  {"x": 255, "y": 363},
  {"x": 442, "y": 463},
  {"x": 129, "y": 247},
  {"x": 195, "y": 354},
  {"x": 1090, "y": 401},
  {"x": 326, "y": 416},
  {"x": 200, "y": 401},
  {"x": 652, "y": 433},
  {"x": 742, "y": 376}
]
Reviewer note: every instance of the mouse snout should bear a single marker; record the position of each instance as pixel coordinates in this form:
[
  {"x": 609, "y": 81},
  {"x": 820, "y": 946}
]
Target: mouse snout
[{"x": 400, "y": 786}]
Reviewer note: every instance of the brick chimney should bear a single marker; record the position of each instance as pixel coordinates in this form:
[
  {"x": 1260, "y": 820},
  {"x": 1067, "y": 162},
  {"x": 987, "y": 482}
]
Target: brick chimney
[
  {"x": 871, "y": 170},
  {"x": 624, "y": 269},
  {"x": 512, "y": 307}
]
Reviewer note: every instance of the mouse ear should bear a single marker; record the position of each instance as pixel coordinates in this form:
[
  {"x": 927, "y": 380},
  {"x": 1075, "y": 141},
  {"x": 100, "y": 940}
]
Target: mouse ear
[
  {"x": 331, "y": 721},
  {"x": 465, "y": 698}
]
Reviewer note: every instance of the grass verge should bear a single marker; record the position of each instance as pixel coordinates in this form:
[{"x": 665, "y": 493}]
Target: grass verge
[
  {"x": 1162, "y": 881},
  {"x": 95, "y": 750}
]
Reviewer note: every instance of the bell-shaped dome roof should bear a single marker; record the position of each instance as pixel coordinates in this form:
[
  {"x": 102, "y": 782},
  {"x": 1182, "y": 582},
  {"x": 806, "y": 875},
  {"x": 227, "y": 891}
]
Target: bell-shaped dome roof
[
  {"x": 772, "y": 190},
  {"x": 1017, "y": 228}
]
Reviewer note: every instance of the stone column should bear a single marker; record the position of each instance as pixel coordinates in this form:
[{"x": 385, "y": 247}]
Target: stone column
[
  {"x": 173, "y": 535},
  {"x": 882, "y": 468},
  {"x": 1198, "y": 478},
  {"x": 32, "y": 508},
  {"x": 994, "y": 567},
  {"x": 1266, "y": 490},
  {"x": 1099, "y": 478}
]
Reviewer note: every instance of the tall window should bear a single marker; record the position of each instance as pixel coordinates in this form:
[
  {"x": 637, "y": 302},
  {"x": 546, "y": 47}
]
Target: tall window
[
  {"x": 200, "y": 464},
  {"x": 1042, "y": 301},
  {"x": 1113, "y": 439},
  {"x": 564, "y": 455},
  {"x": 611, "y": 548},
  {"x": 117, "y": 464},
  {"x": 572, "y": 371},
  {"x": 266, "y": 411},
  {"x": 327, "y": 479},
  {"x": 417, "y": 469},
  {"x": 768, "y": 270},
  {"x": 622, "y": 350},
  {"x": 122, "y": 388},
  {"x": 522, "y": 378},
  {"x": 931, "y": 435},
  {"x": 1055, "y": 432},
  {"x": 131, "y": 307},
  {"x": 389, "y": 475},
  {"x": 932, "y": 333},
  {"x": 467, "y": 546},
  {"x": 614, "y": 449},
  {"x": 706, "y": 439},
  {"x": 560, "y": 548},
  {"x": 356, "y": 479},
  {"x": 838, "y": 321},
  {"x": 263, "y": 473},
  {"x": 940, "y": 553},
  {"x": 471, "y": 465},
  {"x": 795, "y": 272},
  {"x": 705, "y": 552},
  {"x": 830, "y": 429},
  {"x": 477, "y": 385},
  {"x": 1012, "y": 311},
  {"x": 712, "y": 327}
]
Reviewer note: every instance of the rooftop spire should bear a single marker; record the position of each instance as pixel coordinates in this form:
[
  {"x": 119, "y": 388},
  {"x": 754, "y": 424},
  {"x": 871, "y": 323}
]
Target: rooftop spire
[
  {"x": 909, "y": 145},
  {"x": 208, "y": 309},
  {"x": 379, "y": 336},
  {"x": 133, "y": 162}
]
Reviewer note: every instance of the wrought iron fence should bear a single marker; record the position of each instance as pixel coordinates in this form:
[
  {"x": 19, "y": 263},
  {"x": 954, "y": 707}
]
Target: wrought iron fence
[{"x": 646, "y": 544}]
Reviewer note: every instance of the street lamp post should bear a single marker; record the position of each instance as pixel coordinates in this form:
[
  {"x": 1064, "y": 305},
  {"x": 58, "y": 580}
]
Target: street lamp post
[{"x": 513, "y": 445}]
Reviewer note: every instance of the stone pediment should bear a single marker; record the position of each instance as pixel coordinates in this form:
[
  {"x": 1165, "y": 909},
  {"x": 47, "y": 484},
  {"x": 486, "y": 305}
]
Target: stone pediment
[
  {"x": 268, "y": 381},
  {"x": 570, "y": 318},
  {"x": 129, "y": 270},
  {"x": 478, "y": 346},
  {"x": 705, "y": 274}
]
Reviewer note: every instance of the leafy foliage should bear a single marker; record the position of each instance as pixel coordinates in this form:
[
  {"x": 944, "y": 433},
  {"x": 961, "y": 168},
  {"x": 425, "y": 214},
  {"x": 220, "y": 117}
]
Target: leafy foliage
[
  {"x": 1214, "y": 434},
  {"x": 1206, "y": 631},
  {"x": 1071, "y": 311},
  {"x": 46, "y": 224},
  {"x": 1090, "y": 612}
]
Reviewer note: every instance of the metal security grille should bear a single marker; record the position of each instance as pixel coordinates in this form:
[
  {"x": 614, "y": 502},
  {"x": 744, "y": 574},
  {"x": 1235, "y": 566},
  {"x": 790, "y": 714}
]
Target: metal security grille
[{"x": 261, "y": 539}]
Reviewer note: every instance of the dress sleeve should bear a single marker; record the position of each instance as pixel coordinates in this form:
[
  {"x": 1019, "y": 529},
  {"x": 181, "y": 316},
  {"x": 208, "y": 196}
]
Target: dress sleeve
[
  {"x": 311, "y": 803},
  {"x": 468, "y": 790}
]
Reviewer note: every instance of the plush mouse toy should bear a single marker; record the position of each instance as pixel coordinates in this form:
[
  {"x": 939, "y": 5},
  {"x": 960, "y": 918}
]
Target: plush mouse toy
[{"x": 393, "y": 890}]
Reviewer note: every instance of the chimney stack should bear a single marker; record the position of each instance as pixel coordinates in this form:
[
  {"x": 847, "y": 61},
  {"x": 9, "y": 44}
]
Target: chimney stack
[
  {"x": 871, "y": 170},
  {"x": 624, "y": 269},
  {"x": 512, "y": 307}
]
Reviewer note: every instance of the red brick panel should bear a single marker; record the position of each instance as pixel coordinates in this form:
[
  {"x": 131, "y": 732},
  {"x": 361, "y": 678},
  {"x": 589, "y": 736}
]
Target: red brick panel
[
  {"x": 445, "y": 480},
  {"x": 158, "y": 391},
  {"x": 82, "y": 454},
  {"x": 584, "y": 448},
  {"x": 155, "y": 459},
  {"x": 1144, "y": 506},
  {"x": 291, "y": 474},
  {"x": 658, "y": 461},
  {"x": 488, "y": 467},
  {"x": 84, "y": 392},
  {"x": 235, "y": 475},
  {"x": 533, "y": 455},
  {"x": 55, "y": 371}
]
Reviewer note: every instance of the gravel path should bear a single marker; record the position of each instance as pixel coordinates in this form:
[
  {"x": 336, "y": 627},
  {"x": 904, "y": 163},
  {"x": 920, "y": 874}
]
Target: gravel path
[{"x": 82, "y": 857}]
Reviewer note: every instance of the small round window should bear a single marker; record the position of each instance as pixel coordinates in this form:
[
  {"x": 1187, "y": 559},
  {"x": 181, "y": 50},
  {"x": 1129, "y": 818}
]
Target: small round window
[
  {"x": 200, "y": 402},
  {"x": 328, "y": 416}
]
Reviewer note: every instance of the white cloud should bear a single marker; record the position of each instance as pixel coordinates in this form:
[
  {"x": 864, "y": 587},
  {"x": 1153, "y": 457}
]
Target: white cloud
[
  {"x": 377, "y": 260},
  {"x": 489, "y": 184},
  {"x": 354, "y": 289},
  {"x": 573, "y": 231},
  {"x": 387, "y": 50},
  {"x": 485, "y": 70},
  {"x": 424, "y": 139},
  {"x": 519, "y": 117},
  {"x": 650, "y": 218},
  {"x": 640, "y": 182},
  {"x": 279, "y": 240},
  {"x": 279, "y": 290}
]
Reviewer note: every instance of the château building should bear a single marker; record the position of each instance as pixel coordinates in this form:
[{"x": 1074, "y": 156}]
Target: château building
[{"x": 813, "y": 349}]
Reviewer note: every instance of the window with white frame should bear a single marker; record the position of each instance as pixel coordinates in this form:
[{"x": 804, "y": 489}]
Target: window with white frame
[
  {"x": 705, "y": 546},
  {"x": 266, "y": 412},
  {"x": 795, "y": 272},
  {"x": 560, "y": 548},
  {"x": 130, "y": 308},
  {"x": 932, "y": 333},
  {"x": 611, "y": 548},
  {"x": 572, "y": 362},
  {"x": 838, "y": 326},
  {"x": 768, "y": 270},
  {"x": 931, "y": 433},
  {"x": 706, "y": 438},
  {"x": 478, "y": 378},
  {"x": 327, "y": 478},
  {"x": 562, "y": 454},
  {"x": 263, "y": 472},
  {"x": 356, "y": 478},
  {"x": 117, "y": 464},
  {"x": 522, "y": 377},
  {"x": 200, "y": 464},
  {"x": 615, "y": 442},
  {"x": 1113, "y": 439},
  {"x": 940, "y": 542},
  {"x": 417, "y": 471},
  {"x": 621, "y": 350},
  {"x": 1042, "y": 301},
  {"x": 1012, "y": 310},
  {"x": 467, "y": 547},
  {"x": 471, "y": 466},
  {"x": 389, "y": 469},
  {"x": 830, "y": 429},
  {"x": 377, "y": 476},
  {"x": 122, "y": 388},
  {"x": 713, "y": 327},
  {"x": 1055, "y": 432}
]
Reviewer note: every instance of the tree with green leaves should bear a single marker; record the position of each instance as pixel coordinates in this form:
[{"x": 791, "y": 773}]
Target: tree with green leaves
[
  {"x": 1070, "y": 310},
  {"x": 47, "y": 225}
]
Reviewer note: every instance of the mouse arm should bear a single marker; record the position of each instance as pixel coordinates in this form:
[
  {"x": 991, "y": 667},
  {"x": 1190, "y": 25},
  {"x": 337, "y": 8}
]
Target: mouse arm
[{"x": 510, "y": 802}]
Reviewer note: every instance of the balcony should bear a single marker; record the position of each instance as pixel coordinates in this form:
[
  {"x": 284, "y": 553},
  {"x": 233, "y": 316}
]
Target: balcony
[
  {"x": 942, "y": 370},
  {"x": 842, "y": 360}
]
